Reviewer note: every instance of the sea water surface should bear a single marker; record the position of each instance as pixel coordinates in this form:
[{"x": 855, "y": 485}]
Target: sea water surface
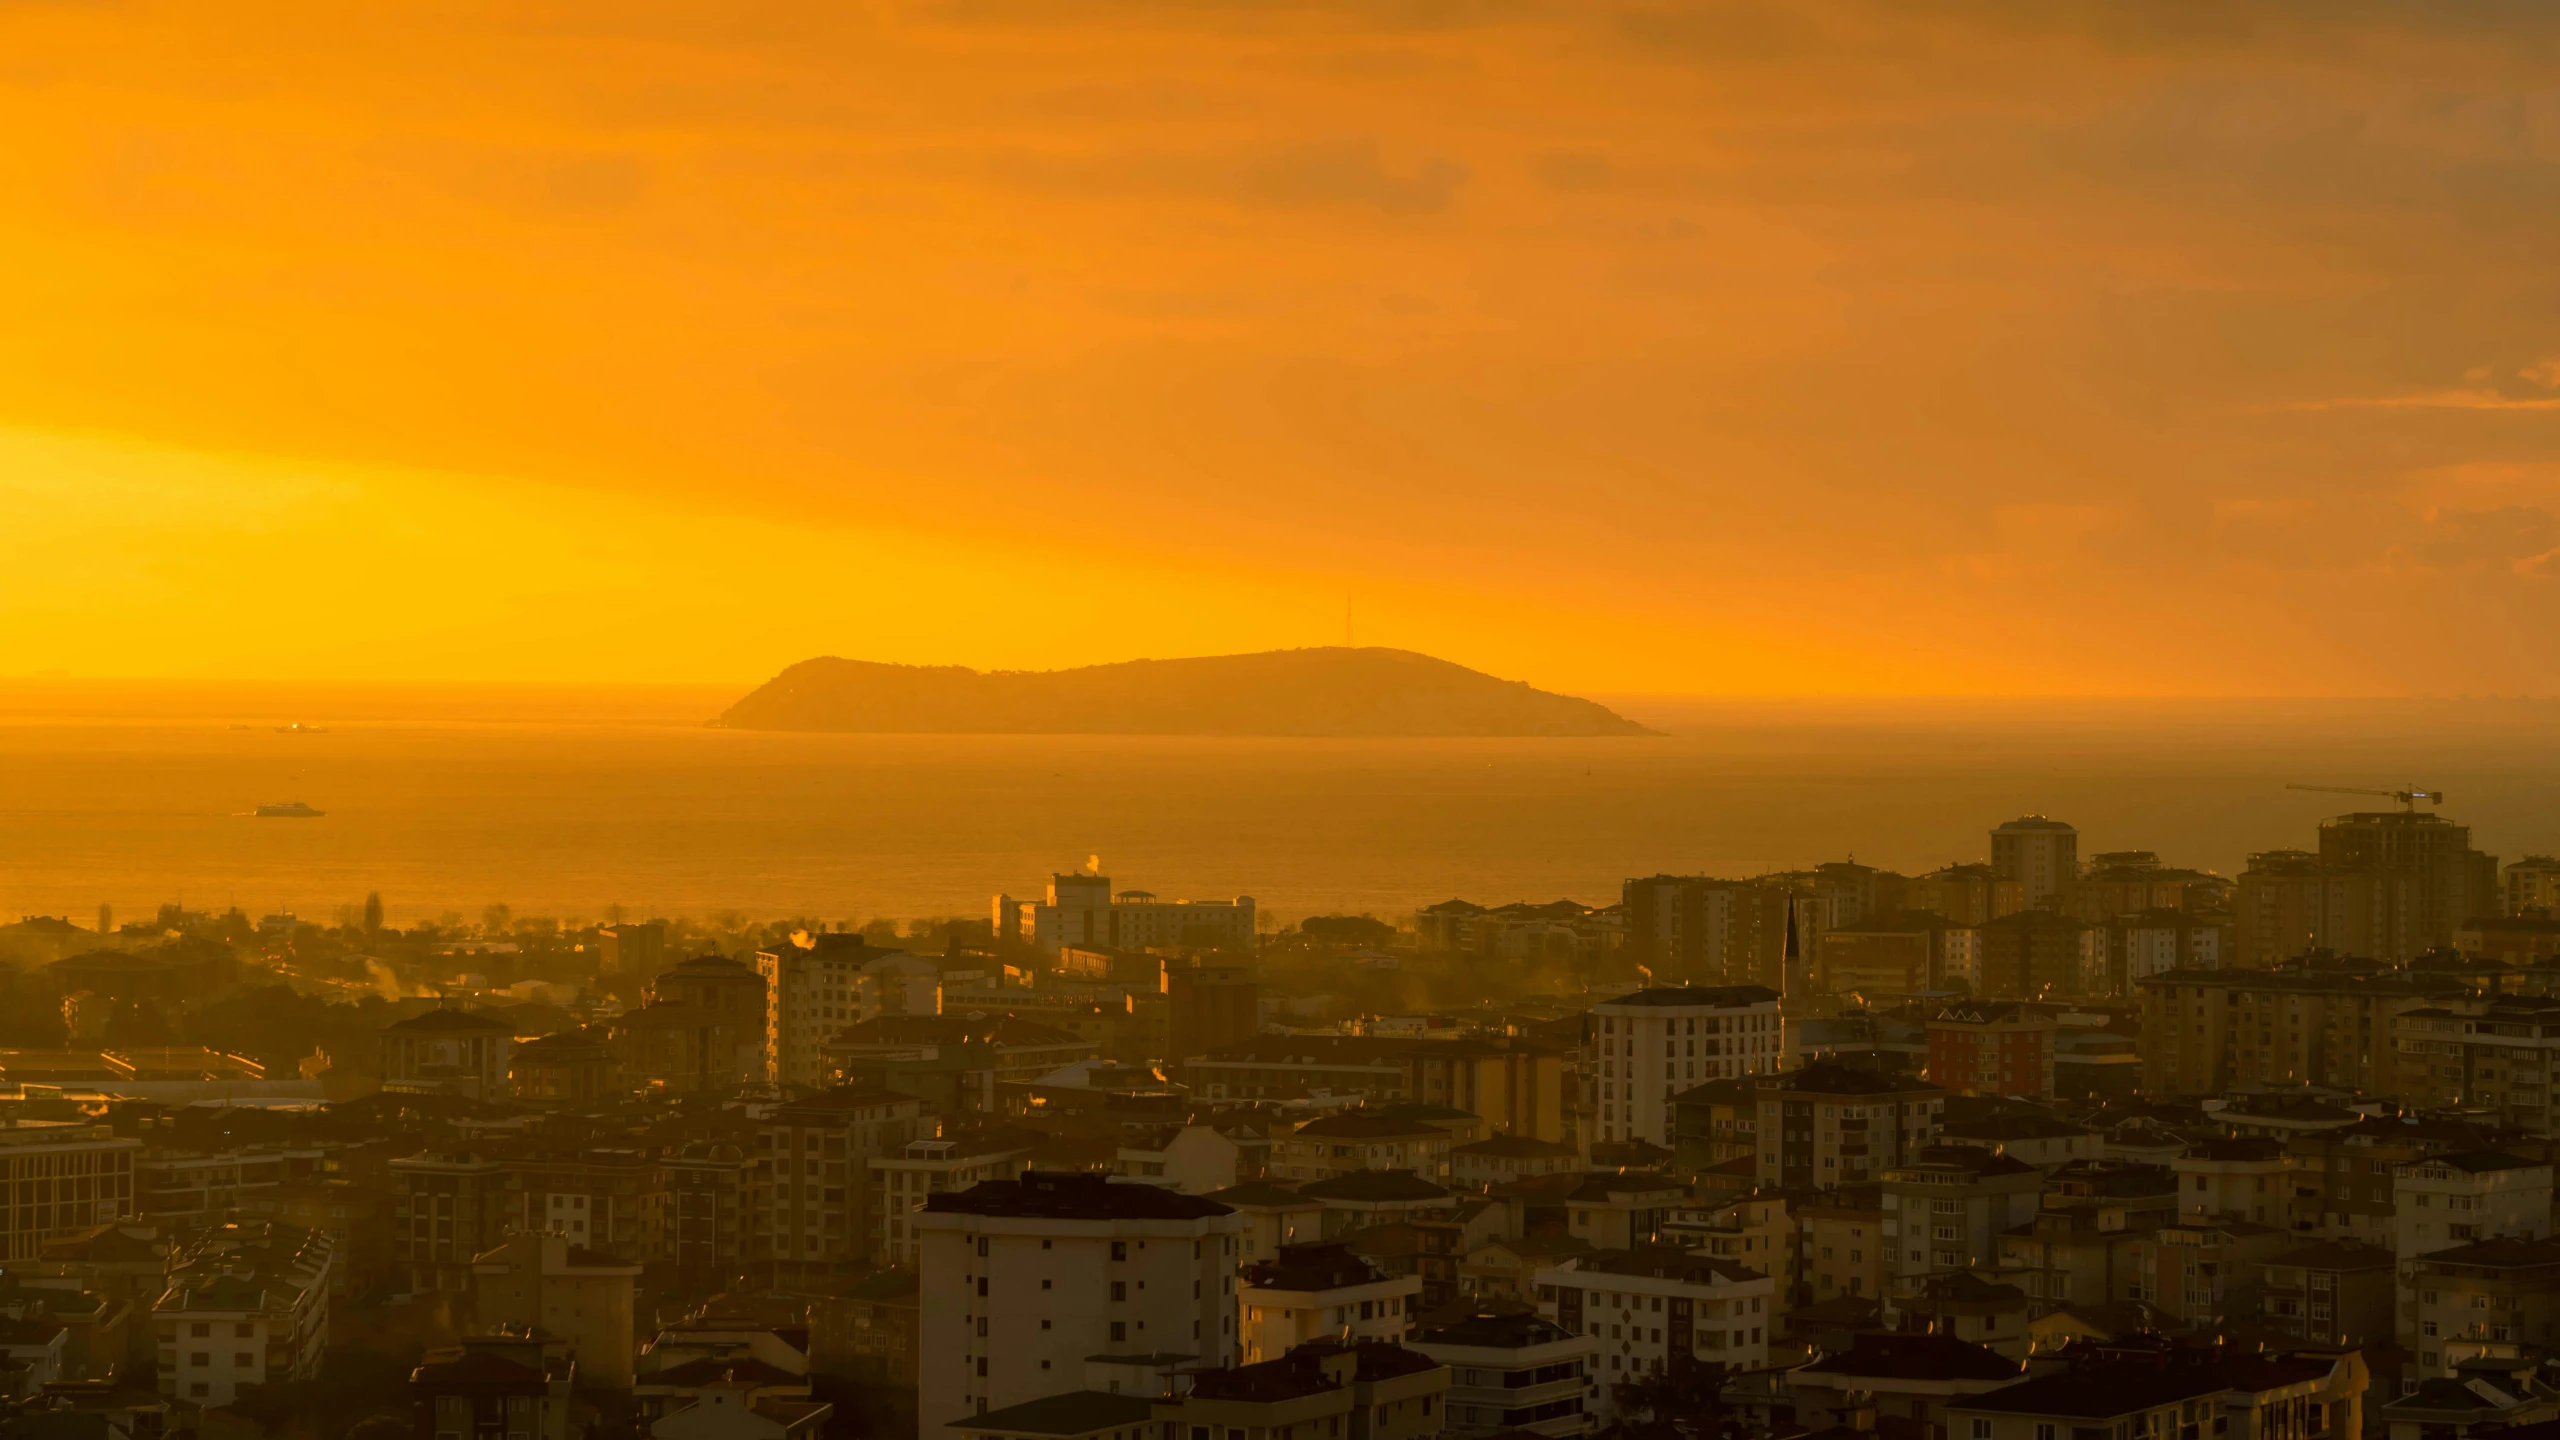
[{"x": 562, "y": 801}]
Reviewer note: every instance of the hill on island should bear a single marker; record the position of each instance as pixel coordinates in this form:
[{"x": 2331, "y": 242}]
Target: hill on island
[{"x": 1330, "y": 690}]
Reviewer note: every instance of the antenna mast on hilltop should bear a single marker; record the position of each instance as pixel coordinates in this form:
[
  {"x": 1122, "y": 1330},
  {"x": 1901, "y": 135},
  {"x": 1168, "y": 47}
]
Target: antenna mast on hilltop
[{"x": 2408, "y": 798}]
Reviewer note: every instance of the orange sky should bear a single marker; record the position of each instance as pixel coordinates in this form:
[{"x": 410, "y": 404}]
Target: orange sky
[{"x": 1652, "y": 346}]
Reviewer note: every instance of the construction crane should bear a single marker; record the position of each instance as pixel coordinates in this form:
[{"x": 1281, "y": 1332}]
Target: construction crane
[{"x": 2408, "y": 798}]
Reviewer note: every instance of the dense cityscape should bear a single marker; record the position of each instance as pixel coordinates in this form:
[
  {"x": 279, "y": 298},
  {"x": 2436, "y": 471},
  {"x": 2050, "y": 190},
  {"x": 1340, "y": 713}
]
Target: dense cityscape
[{"x": 2039, "y": 1144}]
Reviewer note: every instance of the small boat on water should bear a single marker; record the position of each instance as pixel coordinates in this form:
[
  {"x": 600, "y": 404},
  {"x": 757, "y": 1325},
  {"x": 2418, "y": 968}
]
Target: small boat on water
[
  {"x": 290, "y": 810},
  {"x": 298, "y": 728}
]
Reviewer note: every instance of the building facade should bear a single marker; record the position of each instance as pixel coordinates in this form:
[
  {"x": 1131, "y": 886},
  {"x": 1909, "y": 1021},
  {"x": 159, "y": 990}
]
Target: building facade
[{"x": 1646, "y": 1047}]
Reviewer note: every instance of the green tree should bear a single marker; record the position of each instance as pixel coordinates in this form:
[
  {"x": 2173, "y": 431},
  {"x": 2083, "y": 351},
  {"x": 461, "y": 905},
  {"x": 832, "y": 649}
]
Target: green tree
[{"x": 372, "y": 914}]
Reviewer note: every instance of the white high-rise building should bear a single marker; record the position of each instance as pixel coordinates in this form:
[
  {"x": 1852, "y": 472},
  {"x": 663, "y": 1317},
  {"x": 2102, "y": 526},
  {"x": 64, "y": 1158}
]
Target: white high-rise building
[
  {"x": 1021, "y": 1282},
  {"x": 1646, "y": 1047},
  {"x": 1082, "y": 909}
]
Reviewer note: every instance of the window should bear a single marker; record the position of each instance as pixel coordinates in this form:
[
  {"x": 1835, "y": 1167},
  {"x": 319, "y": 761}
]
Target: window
[{"x": 1981, "y": 1429}]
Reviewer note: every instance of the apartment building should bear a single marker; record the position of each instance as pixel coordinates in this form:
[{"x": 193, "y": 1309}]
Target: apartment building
[
  {"x": 903, "y": 1180},
  {"x": 702, "y": 1026},
  {"x": 2338, "y": 1292},
  {"x": 2240, "y": 1178},
  {"x": 607, "y": 1198},
  {"x": 2341, "y": 1179},
  {"x": 2085, "y": 1244},
  {"x": 1645, "y": 1047},
  {"x": 1829, "y": 1124},
  {"x": 448, "y": 1052},
  {"x": 709, "y": 1215},
  {"x": 1312, "y": 1292},
  {"x": 1945, "y": 1209},
  {"x": 537, "y": 1281},
  {"x": 817, "y": 984},
  {"x": 1284, "y": 1066},
  {"x": 2317, "y": 1021},
  {"x": 2500, "y": 1054},
  {"x": 1708, "y": 932},
  {"x": 812, "y": 1203},
  {"x": 1512, "y": 1372},
  {"x": 1651, "y": 1309},
  {"x": 2038, "y": 954},
  {"x": 2204, "y": 1272},
  {"x": 1516, "y": 1088},
  {"x": 2391, "y": 885},
  {"x": 1081, "y": 909},
  {"x": 72, "y": 1175},
  {"x": 2041, "y": 855},
  {"x": 1022, "y": 1281},
  {"x": 2461, "y": 1302},
  {"x": 1841, "y": 1245},
  {"x": 1993, "y": 1048},
  {"x": 1508, "y": 1157},
  {"x": 2447, "y": 1200},
  {"x": 1363, "y": 1392},
  {"x": 447, "y": 1207},
  {"x": 2212, "y": 1392},
  {"x": 246, "y": 1304},
  {"x": 1353, "y": 1140}
]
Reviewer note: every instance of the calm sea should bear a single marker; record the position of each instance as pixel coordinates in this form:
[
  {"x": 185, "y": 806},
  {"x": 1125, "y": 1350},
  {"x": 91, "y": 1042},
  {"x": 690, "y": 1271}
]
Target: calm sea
[{"x": 561, "y": 802}]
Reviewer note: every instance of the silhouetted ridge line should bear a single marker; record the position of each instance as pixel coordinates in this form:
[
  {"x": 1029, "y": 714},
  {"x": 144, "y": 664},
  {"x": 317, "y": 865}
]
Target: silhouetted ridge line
[{"x": 1332, "y": 690}]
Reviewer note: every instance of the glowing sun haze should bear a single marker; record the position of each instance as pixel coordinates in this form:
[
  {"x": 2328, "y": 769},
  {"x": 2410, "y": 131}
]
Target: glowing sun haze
[{"x": 1663, "y": 346}]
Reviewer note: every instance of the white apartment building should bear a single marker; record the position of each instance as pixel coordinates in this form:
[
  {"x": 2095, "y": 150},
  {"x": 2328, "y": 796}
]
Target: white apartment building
[
  {"x": 1315, "y": 1292},
  {"x": 1515, "y": 1372},
  {"x": 1946, "y": 1209},
  {"x": 247, "y": 1304},
  {"x": 2448, "y": 1200},
  {"x": 1020, "y": 1284},
  {"x": 1643, "y": 1048},
  {"x": 820, "y": 983},
  {"x": 1082, "y": 909},
  {"x": 1645, "y": 1306},
  {"x": 901, "y": 1181}
]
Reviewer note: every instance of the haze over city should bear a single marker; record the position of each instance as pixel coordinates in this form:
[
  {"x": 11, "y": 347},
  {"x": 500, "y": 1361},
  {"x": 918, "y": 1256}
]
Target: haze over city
[{"x": 1279, "y": 720}]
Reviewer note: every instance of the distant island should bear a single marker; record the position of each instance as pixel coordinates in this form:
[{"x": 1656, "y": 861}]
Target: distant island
[{"x": 1329, "y": 690}]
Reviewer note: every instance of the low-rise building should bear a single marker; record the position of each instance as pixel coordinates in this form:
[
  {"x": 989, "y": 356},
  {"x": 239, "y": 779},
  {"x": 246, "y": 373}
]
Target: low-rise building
[
  {"x": 247, "y": 1304},
  {"x": 1314, "y": 1292},
  {"x": 1353, "y": 1140},
  {"x": 1068, "y": 1415},
  {"x": 1511, "y": 1371},
  {"x": 1194, "y": 1159},
  {"x": 1362, "y": 1392},
  {"x": 448, "y": 1052},
  {"x": 518, "y": 1386},
  {"x": 1649, "y": 1306},
  {"x": 1912, "y": 1377},
  {"x": 2243, "y": 1179},
  {"x": 1509, "y": 1157},
  {"x": 2448, "y": 1200},
  {"x": 2218, "y": 1392}
]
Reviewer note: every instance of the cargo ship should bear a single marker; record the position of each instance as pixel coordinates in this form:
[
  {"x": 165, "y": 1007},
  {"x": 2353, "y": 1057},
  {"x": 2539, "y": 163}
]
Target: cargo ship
[{"x": 290, "y": 810}]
